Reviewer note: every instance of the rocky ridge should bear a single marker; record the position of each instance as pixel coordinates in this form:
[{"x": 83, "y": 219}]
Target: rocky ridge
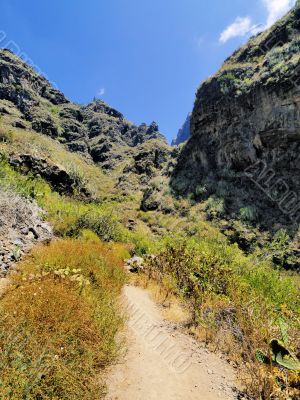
[
  {"x": 82, "y": 128},
  {"x": 96, "y": 131}
]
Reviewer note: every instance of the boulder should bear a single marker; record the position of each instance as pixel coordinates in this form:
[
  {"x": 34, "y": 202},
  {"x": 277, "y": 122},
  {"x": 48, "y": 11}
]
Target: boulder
[
  {"x": 135, "y": 264},
  {"x": 21, "y": 227}
]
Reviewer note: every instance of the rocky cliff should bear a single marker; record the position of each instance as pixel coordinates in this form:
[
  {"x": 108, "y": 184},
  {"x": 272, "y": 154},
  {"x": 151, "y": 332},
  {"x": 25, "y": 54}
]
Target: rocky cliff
[
  {"x": 245, "y": 128},
  {"x": 184, "y": 132}
]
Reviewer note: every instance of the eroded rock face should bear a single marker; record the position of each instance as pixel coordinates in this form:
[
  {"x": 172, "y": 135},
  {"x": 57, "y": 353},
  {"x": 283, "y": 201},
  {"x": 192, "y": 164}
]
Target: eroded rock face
[
  {"x": 20, "y": 83},
  {"x": 61, "y": 180},
  {"x": 21, "y": 227},
  {"x": 248, "y": 116}
]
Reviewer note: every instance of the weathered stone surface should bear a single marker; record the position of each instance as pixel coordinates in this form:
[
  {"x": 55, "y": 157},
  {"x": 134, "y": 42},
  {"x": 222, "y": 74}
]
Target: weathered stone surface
[
  {"x": 21, "y": 227},
  {"x": 60, "y": 179},
  {"x": 135, "y": 264},
  {"x": 151, "y": 200}
]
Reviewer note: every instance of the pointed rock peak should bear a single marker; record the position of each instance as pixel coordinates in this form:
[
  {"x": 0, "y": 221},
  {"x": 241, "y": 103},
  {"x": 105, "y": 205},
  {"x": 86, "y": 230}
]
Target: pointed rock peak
[
  {"x": 100, "y": 106},
  {"x": 184, "y": 132},
  {"x": 153, "y": 127}
]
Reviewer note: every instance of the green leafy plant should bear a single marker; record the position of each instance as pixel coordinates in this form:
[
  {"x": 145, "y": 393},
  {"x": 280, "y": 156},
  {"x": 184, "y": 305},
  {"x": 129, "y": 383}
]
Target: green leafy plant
[
  {"x": 248, "y": 214},
  {"x": 54, "y": 110},
  {"x": 215, "y": 207},
  {"x": 104, "y": 224},
  {"x": 77, "y": 176},
  {"x": 280, "y": 355},
  {"x": 200, "y": 190}
]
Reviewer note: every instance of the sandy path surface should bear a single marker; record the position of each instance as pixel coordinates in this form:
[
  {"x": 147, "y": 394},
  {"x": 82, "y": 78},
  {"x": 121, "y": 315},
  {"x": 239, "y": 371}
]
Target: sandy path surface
[
  {"x": 4, "y": 282},
  {"x": 163, "y": 364}
]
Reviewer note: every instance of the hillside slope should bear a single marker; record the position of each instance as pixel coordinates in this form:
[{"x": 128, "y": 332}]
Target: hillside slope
[{"x": 97, "y": 132}]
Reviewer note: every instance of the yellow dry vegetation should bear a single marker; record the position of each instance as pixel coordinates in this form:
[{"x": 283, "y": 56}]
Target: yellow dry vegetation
[{"x": 59, "y": 317}]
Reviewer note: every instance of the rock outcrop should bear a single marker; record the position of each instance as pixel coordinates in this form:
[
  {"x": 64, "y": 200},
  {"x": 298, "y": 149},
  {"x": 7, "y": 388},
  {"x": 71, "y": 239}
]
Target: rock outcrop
[
  {"x": 245, "y": 128},
  {"x": 21, "y": 227},
  {"x": 61, "y": 180}
]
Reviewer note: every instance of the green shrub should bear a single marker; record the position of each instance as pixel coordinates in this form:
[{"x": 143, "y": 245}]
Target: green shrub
[
  {"x": 248, "y": 214},
  {"x": 6, "y": 136},
  {"x": 89, "y": 235},
  {"x": 279, "y": 248},
  {"x": 195, "y": 273},
  {"x": 77, "y": 177},
  {"x": 142, "y": 243},
  {"x": 223, "y": 189},
  {"x": 54, "y": 110},
  {"x": 275, "y": 56},
  {"x": 103, "y": 224},
  {"x": 200, "y": 190},
  {"x": 215, "y": 207}
]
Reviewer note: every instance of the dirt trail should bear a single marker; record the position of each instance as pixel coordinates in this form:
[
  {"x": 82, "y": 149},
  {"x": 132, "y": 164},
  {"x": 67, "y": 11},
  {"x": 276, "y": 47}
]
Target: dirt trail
[
  {"x": 163, "y": 364},
  {"x": 4, "y": 282}
]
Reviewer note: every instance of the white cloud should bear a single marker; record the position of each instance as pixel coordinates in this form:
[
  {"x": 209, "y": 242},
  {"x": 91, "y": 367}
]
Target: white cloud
[
  {"x": 240, "y": 27},
  {"x": 101, "y": 92},
  {"x": 245, "y": 27},
  {"x": 276, "y": 9}
]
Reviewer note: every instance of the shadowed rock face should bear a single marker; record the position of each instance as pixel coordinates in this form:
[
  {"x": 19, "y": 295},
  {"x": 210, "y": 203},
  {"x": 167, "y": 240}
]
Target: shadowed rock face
[
  {"x": 61, "y": 180},
  {"x": 97, "y": 130},
  {"x": 248, "y": 115}
]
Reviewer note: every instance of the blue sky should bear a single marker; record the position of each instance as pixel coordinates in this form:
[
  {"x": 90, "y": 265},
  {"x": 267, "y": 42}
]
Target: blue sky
[{"x": 144, "y": 57}]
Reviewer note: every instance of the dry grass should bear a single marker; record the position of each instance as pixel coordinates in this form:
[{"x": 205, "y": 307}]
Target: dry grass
[
  {"x": 173, "y": 309},
  {"x": 5, "y": 136},
  {"x": 59, "y": 319}
]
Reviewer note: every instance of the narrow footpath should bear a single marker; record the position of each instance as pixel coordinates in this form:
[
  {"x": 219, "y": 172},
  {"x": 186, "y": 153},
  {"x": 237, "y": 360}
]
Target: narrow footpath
[{"x": 161, "y": 363}]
